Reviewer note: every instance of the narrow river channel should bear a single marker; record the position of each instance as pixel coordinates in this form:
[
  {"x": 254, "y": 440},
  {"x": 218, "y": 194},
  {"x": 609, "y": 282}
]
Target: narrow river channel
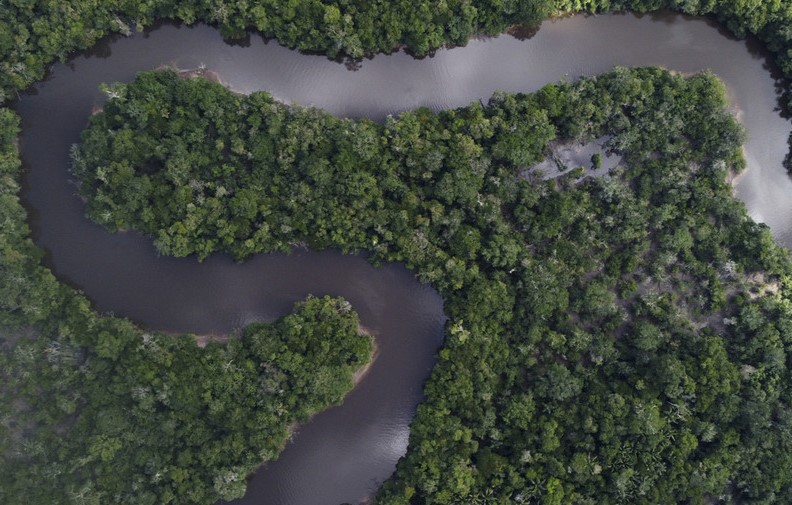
[{"x": 345, "y": 453}]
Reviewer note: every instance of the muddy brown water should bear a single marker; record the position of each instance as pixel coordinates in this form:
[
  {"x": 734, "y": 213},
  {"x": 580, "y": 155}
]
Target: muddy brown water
[{"x": 345, "y": 453}]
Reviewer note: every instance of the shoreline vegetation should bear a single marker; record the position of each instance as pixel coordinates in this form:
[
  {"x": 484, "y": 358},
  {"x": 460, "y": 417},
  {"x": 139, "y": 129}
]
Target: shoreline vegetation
[
  {"x": 357, "y": 376},
  {"x": 363, "y": 371},
  {"x": 202, "y": 340},
  {"x": 529, "y": 402}
]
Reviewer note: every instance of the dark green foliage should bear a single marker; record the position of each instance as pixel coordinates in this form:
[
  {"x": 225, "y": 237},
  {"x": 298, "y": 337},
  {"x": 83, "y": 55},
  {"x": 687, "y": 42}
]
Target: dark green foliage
[{"x": 614, "y": 339}]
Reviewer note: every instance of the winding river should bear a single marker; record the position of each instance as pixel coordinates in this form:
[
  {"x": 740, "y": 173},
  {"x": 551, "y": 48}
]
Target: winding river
[{"x": 344, "y": 453}]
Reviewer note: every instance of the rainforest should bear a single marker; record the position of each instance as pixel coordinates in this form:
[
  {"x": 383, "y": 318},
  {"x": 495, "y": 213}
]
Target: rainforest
[{"x": 614, "y": 335}]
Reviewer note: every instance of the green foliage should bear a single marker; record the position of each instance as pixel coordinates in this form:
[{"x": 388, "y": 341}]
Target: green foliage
[{"x": 610, "y": 339}]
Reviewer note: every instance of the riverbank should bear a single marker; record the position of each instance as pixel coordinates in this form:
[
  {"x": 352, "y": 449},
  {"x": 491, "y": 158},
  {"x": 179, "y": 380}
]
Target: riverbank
[
  {"x": 361, "y": 372},
  {"x": 357, "y": 378}
]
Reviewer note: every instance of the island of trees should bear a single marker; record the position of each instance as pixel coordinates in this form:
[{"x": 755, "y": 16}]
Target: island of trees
[{"x": 615, "y": 339}]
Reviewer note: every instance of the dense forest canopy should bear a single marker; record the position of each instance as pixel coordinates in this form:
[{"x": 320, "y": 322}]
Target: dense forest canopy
[
  {"x": 619, "y": 339},
  {"x": 616, "y": 338}
]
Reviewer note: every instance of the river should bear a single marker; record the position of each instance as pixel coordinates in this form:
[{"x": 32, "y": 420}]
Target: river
[{"x": 346, "y": 452}]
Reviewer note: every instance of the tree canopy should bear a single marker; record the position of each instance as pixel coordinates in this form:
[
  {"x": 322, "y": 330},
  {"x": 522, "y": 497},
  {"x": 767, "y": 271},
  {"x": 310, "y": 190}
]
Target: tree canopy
[{"x": 620, "y": 339}]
